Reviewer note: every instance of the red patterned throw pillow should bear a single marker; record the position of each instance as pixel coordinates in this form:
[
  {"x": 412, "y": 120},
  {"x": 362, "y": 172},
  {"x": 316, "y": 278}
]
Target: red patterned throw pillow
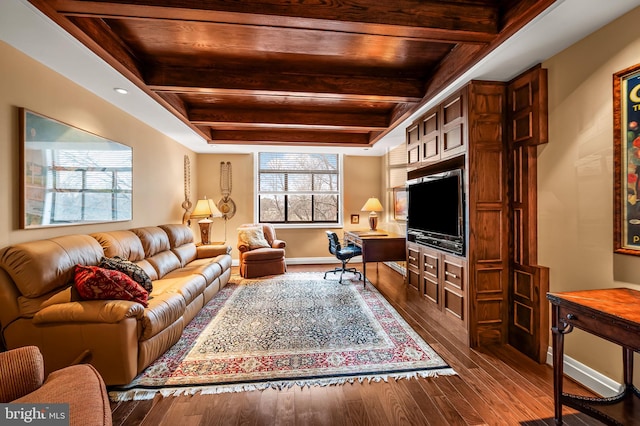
[{"x": 93, "y": 282}]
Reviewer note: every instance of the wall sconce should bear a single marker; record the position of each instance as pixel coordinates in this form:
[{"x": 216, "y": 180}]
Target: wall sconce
[
  {"x": 205, "y": 209},
  {"x": 372, "y": 205}
]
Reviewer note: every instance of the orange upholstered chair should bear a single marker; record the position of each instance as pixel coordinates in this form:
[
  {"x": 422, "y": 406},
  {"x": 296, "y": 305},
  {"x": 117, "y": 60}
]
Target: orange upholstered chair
[
  {"x": 22, "y": 381},
  {"x": 261, "y": 253}
]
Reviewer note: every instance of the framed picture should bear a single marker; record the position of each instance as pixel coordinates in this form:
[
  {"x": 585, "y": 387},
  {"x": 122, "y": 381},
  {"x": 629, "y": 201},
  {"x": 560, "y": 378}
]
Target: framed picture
[
  {"x": 70, "y": 176},
  {"x": 400, "y": 203},
  {"x": 355, "y": 219},
  {"x": 626, "y": 137}
]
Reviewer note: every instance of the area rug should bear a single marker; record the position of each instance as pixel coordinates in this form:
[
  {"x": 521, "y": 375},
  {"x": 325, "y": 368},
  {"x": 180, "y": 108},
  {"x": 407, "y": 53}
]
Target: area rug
[{"x": 287, "y": 330}]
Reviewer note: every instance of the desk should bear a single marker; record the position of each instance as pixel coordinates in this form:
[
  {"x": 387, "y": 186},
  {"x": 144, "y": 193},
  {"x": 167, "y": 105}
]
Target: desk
[
  {"x": 377, "y": 246},
  {"x": 614, "y": 315}
]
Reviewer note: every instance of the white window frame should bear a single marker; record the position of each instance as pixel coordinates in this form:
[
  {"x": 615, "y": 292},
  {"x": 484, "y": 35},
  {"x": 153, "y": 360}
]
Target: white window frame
[{"x": 323, "y": 225}]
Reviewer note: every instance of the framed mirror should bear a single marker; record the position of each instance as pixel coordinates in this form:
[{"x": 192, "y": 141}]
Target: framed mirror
[{"x": 71, "y": 176}]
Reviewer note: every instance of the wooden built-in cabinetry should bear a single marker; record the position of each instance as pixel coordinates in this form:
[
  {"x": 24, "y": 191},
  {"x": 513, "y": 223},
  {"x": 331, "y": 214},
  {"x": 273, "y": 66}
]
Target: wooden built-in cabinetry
[
  {"x": 438, "y": 134},
  {"x": 466, "y": 292},
  {"x": 472, "y": 293}
]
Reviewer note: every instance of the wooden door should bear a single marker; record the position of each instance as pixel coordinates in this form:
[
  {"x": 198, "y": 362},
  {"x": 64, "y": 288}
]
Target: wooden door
[{"x": 528, "y": 328}]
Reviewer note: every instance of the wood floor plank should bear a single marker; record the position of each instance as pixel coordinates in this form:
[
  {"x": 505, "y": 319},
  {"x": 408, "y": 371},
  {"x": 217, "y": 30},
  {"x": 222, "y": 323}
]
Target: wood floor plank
[{"x": 493, "y": 386}]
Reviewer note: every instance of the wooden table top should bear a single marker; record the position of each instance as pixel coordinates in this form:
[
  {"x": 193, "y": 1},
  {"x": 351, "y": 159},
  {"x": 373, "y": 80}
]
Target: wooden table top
[{"x": 623, "y": 303}]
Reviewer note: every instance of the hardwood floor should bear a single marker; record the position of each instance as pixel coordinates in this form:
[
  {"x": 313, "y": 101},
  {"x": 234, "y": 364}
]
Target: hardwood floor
[{"x": 494, "y": 386}]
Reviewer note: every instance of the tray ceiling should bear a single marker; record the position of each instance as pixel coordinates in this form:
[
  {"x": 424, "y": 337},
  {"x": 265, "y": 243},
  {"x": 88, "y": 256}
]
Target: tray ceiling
[{"x": 306, "y": 73}]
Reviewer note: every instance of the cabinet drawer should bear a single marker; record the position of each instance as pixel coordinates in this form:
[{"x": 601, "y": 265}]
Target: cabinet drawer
[
  {"x": 453, "y": 274},
  {"x": 413, "y": 257},
  {"x": 430, "y": 265}
]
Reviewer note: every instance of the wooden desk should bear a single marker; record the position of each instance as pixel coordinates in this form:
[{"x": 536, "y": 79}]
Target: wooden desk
[
  {"x": 614, "y": 315},
  {"x": 377, "y": 246}
]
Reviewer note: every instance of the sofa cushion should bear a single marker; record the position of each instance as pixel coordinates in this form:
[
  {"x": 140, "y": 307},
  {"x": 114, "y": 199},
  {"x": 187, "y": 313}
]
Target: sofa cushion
[
  {"x": 183, "y": 282},
  {"x": 134, "y": 271},
  {"x": 93, "y": 282},
  {"x": 186, "y": 253},
  {"x": 253, "y": 237},
  {"x": 164, "y": 262},
  {"x": 154, "y": 240},
  {"x": 178, "y": 234},
  {"x": 124, "y": 244},
  {"x": 39, "y": 267},
  {"x": 164, "y": 309}
]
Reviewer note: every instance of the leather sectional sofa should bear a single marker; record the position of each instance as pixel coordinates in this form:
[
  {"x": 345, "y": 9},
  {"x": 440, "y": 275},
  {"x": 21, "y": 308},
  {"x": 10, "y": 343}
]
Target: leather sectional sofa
[{"x": 120, "y": 338}]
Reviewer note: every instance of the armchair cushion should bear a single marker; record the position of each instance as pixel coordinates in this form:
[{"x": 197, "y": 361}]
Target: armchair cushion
[
  {"x": 21, "y": 372},
  {"x": 252, "y": 237}
]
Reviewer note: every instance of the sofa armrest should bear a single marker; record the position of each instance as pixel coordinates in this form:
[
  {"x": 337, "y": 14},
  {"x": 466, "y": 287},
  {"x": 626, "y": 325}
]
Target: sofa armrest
[
  {"x": 21, "y": 371},
  {"x": 104, "y": 311},
  {"x": 278, "y": 244},
  {"x": 212, "y": 250}
]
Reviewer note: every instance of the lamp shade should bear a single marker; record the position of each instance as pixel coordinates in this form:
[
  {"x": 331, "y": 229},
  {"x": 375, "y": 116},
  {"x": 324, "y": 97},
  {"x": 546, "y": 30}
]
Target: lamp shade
[
  {"x": 205, "y": 208},
  {"x": 372, "y": 205}
]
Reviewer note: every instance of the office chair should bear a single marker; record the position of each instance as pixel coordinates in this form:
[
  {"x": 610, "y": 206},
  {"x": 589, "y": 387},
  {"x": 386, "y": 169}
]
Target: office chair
[{"x": 344, "y": 254}]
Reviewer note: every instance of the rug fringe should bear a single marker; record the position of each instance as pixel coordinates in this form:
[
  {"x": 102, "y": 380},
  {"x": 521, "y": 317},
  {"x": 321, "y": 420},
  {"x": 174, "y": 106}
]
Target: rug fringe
[{"x": 145, "y": 394}]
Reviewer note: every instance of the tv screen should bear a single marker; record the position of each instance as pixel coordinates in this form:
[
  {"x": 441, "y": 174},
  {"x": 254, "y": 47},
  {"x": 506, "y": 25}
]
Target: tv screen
[{"x": 435, "y": 204}]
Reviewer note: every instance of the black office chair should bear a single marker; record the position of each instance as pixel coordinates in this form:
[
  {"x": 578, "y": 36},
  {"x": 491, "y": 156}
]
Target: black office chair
[{"x": 344, "y": 254}]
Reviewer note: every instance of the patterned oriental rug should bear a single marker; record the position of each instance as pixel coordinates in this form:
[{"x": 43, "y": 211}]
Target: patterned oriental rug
[{"x": 286, "y": 330}]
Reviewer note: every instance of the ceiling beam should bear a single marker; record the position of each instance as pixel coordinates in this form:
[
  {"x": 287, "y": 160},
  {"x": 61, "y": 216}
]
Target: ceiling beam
[
  {"x": 289, "y": 118},
  {"x": 200, "y": 80},
  {"x": 302, "y": 138},
  {"x": 429, "y": 20}
]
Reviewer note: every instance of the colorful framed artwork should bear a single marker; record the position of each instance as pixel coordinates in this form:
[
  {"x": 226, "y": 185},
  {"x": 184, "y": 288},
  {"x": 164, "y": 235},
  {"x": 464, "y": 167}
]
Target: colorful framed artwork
[
  {"x": 355, "y": 219},
  {"x": 626, "y": 137},
  {"x": 400, "y": 203}
]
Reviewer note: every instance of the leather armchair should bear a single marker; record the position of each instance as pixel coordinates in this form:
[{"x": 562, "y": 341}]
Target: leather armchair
[
  {"x": 22, "y": 381},
  {"x": 260, "y": 256}
]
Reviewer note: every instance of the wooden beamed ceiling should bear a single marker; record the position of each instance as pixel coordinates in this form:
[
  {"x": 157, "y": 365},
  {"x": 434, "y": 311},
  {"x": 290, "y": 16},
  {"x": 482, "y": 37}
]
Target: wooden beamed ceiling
[{"x": 310, "y": 72}]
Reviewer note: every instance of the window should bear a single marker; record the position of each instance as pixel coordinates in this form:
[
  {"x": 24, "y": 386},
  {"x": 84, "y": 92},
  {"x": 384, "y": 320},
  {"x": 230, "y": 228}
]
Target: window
[{"x": 299, "y": 188}]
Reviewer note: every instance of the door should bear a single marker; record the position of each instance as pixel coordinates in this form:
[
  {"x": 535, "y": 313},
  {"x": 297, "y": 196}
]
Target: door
[{"x": 528, "y": 328}]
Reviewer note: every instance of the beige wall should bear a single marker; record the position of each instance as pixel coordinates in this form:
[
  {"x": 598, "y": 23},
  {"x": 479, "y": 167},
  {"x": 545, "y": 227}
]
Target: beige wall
[
  {"x": 157, "y": 160},
  {"x": 362, "y": 179},
  {"x": 575, "y": 178}
]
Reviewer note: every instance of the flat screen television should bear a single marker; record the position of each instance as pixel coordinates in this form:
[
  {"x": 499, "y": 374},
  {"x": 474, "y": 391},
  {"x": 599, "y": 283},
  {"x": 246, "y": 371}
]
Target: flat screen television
[{"x": 435, "y": 215}]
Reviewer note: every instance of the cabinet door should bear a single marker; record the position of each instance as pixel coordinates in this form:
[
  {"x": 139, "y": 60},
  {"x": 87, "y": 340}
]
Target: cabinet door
[
  {"x": 431, "y": 275},
  {"x": 413, "y": 145},
  {"x": 413, "y": 266},
  {"x": 454, "y": 287},
  {"x": 454, "y": 113},
  {"x": 430, "y": 136}
]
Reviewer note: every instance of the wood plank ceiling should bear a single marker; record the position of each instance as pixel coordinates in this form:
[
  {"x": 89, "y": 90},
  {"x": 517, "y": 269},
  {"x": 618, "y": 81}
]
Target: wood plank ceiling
[{"x": 304, "y": 72}]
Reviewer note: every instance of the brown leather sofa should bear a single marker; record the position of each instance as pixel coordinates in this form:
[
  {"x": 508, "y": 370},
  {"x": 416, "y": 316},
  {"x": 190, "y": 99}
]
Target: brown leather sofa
[
  {"x": 121, "y": 338},
  {"x": 80, "y": 386}
]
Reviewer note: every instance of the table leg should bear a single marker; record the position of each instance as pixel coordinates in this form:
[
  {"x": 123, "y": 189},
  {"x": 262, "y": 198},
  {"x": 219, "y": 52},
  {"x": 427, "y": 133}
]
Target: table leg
[
  {"x": 558, "y": 367},
  {"x": 627, "y": 368},
  {"x": 364, "y": 274}
]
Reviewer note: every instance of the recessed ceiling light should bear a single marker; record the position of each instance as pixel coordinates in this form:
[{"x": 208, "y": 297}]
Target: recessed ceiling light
[{"x": 121, "y": 90}]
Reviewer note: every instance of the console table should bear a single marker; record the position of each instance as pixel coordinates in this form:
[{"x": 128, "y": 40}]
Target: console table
[
  {"x": 614, "y": 315},
  {"x": 377, "y": 246}
]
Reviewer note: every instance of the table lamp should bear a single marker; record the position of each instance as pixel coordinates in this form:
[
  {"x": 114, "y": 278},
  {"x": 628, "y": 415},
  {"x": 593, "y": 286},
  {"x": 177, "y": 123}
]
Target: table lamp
[
  {"x": 372, "y": 205},
  {"x": 205, "y": 209}
]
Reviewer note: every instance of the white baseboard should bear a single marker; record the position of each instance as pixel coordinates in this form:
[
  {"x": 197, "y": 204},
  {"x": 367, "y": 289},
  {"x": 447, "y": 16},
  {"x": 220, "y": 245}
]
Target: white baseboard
[
  {"x": 588, "y": 377},
  {"x": 309, "y": 261}
]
